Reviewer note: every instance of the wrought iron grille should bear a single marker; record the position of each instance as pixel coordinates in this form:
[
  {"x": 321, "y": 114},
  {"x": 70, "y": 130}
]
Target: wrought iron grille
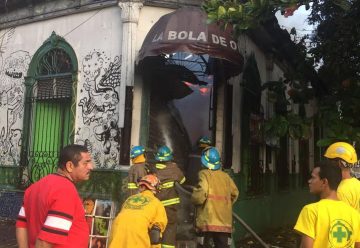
[
  {"x": 56, "y": 61},
  {"x": 50, "y": 124},
  {"x": 54, "y": 88},
  {"x": 41, "y": 163},
  {"x": 50, "y": 119}
]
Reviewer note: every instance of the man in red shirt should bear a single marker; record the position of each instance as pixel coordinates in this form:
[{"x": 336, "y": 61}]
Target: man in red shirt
[{"x": 52, "y": 214}]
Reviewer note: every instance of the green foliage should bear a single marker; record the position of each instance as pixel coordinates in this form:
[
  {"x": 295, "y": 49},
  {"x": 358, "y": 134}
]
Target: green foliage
[
  {"x": 245, "y": 14},
  {"x": 335, "y": 50},
  {"x": 105, "y": 184},
  {"x": 337, "y": 115},
  {"x": 293, "y": 125},
  {"x": 284, "y": 122},
  {"x": 337, "y": 53}
]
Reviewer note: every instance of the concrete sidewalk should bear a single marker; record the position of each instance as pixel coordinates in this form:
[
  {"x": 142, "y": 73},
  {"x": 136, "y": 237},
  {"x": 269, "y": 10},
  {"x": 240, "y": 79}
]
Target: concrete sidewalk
[
  {"x": 282, "y": 238},
  {"x": 7, "y": 234}
]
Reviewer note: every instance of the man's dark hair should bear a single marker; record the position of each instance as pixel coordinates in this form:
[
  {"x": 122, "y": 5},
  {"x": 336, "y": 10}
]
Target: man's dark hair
[
  {"x": 71, "y": 153},
  {"x": 330, "y": 170}
]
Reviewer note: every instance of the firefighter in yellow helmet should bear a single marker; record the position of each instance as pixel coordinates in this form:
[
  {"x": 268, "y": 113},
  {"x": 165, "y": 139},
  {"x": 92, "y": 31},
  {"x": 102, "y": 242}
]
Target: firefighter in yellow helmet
[
  {"x": 349, "y": 188},
  {"x": 142, "y": 219}
]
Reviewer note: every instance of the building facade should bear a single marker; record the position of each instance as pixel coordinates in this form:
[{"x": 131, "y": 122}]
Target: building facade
[{"x": 70, "y": 73}]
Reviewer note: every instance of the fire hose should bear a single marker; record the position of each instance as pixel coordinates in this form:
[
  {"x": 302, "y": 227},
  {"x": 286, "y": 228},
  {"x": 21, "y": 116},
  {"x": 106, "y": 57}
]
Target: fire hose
[{"x": 237, "y": 217}]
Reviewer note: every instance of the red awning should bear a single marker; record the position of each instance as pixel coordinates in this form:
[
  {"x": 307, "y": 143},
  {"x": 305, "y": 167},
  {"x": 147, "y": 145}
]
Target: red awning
[{"x": 186, "y": 30}]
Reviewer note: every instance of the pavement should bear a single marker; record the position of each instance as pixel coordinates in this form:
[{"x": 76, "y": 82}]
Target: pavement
[
  {"x": 7, "y": 234},
  {"x": 277, "y": 238}
]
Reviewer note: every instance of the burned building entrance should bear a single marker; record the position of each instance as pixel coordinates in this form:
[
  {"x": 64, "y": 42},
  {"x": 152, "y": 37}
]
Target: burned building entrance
[
  {"x": 177, "y": 61},
  {"x": 181, "y": 90},
  {"x": 182, "y": 64}
]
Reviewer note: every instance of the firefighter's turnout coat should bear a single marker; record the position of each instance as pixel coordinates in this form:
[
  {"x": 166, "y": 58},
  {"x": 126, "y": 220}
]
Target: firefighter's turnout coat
[
  {"x": 136, "y": 172},
  {"x": 214, "y": 196},
  {"x": 169, "y": 173}
]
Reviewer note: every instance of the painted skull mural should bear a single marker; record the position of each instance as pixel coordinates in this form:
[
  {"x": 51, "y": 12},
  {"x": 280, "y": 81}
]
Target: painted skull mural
[
  {"x": 99, "y": 101},
  {"x": 12, "y": 72}
]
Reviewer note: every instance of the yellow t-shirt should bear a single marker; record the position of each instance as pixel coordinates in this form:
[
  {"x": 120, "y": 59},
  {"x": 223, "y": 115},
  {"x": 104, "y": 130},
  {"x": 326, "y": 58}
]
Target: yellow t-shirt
[
  {"x": 349, "y": 192},
  {"x": 332, "y": 224}
]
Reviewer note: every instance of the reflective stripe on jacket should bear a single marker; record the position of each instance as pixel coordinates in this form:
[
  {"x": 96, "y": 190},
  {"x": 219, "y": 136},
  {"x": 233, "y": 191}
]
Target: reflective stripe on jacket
[
  {"x": 169, "y": 173},
  {"x": 214, "y": 196},
  {"x": 136, "y": 172}
]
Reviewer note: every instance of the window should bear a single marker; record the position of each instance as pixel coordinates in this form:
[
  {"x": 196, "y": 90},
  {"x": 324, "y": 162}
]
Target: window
[
  {"x": 251, "y": 119},
  {"x": 49, "y": 118}
]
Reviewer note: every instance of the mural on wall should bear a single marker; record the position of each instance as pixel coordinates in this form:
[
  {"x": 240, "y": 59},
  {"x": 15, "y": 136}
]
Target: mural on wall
[
  {"x": 99, "y": 103},
  {"x": 13, "y": 68}
]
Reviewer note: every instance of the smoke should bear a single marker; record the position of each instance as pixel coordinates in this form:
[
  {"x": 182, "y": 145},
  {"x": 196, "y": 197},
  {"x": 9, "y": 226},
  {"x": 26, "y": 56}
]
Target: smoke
[
  {"x": 164, "y": 128},
  {"x": 194, "y": 111}
]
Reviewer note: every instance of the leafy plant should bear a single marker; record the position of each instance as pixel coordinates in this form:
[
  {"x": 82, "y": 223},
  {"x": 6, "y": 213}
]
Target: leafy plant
[
  {"x": 335, "y": 50},
  {"x": 244, "y": 15},
  {"x": 285, "y": 122}
]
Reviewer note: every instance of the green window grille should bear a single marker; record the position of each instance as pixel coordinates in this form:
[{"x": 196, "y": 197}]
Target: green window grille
[{"x": 49, "y": 103}]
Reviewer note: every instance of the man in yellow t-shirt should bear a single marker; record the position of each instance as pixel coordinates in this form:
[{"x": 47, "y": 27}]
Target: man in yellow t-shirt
[
  {"x": 349, "y": 192},
  {"x": 329, "y": 223},
  {"x": 349, "y": 188}
]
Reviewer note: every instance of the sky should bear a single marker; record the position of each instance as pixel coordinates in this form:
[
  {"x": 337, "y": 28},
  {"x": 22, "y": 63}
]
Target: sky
[{"x": 298, "y": 20}]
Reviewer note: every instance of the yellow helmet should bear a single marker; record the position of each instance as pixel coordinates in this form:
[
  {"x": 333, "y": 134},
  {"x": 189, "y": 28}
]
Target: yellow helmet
[{"x": 343, "y": 151}]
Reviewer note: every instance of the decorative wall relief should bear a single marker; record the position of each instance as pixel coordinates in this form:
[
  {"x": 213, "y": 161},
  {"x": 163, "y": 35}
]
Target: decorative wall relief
[
  {"x": 99, "y": 103},
  {"x": 13, "y": 68}
]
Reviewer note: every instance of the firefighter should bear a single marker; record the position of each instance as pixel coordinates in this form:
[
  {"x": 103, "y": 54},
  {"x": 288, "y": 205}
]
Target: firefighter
[
  {"x": 204, "y": 142},
  {"x": 138, "y": 169},
  {"x": 213, "y": 197},
  {"x": 194, "y": 164},
  {"x": 349, "y": 188},
  {"x": 168, "y": 173},
  {"x": 142, "y": 218}
]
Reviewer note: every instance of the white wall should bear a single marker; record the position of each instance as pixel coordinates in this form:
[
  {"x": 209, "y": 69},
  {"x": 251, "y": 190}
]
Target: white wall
[
  {"x": 96, "y": 39},
  {"x": 148, "y": 17}
]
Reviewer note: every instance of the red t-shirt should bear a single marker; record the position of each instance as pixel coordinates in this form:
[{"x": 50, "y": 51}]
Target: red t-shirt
[{"x": 52, "y": 211}]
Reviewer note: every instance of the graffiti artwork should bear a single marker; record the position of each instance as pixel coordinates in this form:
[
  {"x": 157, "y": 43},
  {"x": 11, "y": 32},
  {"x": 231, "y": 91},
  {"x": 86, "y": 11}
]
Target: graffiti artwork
[
  {"x": 13, "y": 68},
  {"x": 99, "y": 101}
]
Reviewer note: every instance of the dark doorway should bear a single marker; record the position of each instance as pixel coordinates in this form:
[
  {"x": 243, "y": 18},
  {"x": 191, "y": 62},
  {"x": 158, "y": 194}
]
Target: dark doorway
[{"x": 181, "y": 102}]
